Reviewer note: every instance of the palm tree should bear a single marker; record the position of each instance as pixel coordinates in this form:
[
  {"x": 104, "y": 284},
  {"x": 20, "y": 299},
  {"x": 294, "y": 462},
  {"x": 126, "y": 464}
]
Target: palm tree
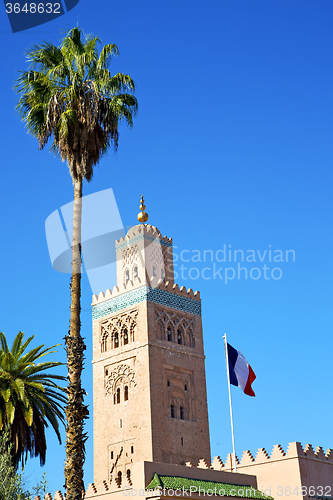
[
  {"x": 69, "y": 94},
  {"x": 29, "y": 397}
]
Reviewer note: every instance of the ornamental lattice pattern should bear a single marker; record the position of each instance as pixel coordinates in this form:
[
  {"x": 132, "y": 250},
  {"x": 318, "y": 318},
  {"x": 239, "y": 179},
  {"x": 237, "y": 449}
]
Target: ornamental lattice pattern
[
  {"x": 155, "y": 255},
  {"x": 122, "y": 374},
  {"x": 118, "y": 331},
  {"x": 175, "y": 328},
  {"x": 130, "y": 255}
]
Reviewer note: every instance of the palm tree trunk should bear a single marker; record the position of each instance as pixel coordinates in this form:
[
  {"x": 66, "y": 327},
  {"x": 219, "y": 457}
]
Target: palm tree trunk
[{"x": 76, "y": 411}]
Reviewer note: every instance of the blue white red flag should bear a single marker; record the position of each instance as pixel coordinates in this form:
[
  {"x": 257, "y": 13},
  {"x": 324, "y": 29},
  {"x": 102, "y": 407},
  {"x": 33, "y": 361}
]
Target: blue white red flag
[{"x": 240, "y": 372}]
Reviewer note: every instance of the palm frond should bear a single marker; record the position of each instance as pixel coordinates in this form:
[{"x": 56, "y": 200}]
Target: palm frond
[
  {"x": 108, "y": 51},
  {"x": 4, "y": 345},
  {"x": 30, "y": 396},
  {"x": 63, "y": 97}
]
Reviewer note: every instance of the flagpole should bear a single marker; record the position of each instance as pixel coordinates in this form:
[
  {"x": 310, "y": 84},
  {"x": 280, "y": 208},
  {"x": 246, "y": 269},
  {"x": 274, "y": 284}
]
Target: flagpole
[{"x": 231, "y": 417}]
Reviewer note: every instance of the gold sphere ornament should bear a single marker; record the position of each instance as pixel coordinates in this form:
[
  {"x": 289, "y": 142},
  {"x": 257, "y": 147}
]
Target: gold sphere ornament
[{"x": 142, "y": 216}]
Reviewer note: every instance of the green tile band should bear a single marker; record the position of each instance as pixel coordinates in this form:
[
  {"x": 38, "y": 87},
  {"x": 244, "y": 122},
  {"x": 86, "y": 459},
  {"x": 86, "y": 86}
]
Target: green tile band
[{"x": 155, "y": 295}]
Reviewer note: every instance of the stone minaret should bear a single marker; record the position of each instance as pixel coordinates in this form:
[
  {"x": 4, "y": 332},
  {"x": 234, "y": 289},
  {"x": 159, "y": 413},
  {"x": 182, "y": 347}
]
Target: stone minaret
[{"x": 150, "y": 400}]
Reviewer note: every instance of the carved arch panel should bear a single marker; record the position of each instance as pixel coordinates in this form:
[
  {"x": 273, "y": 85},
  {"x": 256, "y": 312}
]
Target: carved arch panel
[
  {"x": 175, "y": 328},
  {"x": 120, "y": 377},
  {"x": 118, "y": 331}
]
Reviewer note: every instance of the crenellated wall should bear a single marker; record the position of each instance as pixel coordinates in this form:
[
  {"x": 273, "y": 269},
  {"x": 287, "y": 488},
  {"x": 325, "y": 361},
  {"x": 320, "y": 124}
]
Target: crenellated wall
[
  {"x": 297, "y": 473},
  {"x": 153, "y": 282},
  {"x": 281, "y": 474},
  {"x": 146, "y": 230},
  {"x": 294, "y": 449},
  {"x": 143, "y": 473},
  {"x": 155, "y": 291}
]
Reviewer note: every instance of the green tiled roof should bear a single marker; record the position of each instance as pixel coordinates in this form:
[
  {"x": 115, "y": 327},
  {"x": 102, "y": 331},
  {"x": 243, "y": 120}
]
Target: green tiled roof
[{"x": 209, "y": 488}]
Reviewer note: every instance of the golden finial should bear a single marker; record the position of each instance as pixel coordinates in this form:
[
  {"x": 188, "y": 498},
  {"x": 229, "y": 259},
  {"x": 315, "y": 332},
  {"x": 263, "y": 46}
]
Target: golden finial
[{"x": 142, "y": 216}]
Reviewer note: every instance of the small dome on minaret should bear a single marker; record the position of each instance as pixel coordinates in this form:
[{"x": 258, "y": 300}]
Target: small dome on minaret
[{"x": 142, "y": 216}]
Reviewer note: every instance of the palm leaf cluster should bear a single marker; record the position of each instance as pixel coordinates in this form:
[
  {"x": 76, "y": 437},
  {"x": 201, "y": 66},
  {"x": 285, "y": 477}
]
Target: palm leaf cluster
[
  {"x": 70, "y": 95},
  {"x": 30, "y": 397}
]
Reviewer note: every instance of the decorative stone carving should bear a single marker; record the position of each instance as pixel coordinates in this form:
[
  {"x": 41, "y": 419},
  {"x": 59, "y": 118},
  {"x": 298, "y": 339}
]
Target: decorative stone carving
[
  {"x": 155, "y": 254},
  {"x": 122, "y": 374},
  {"x": 118, "y": 331},
  {"x": 130, "y": 255},
  {"x": 175, "y": 328}
]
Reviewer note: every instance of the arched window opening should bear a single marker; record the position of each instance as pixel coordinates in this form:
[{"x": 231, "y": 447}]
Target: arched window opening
[
  {"x": 126, "y": 393},
  {"x": 118, "y": 395},
  {"x": 133, "y": 330},
  {"x": 119, "y": 478},
  {"x": 179, "y": 337},
  {"x": 132, "y": 449},
  {"x": 168, "y": 383},
  {"x": 135, "y": 272},
  {"x": 125, "y": 333},
  {"x": 169, "y": 332},
  {"x": 185, "y": 387},
  {"x": 127, "y": 276},
  {"x": 160, "y": 331},
  {"x": 104, "y": 343},
  {"x": 116, "y": 340},
  {"x": 182, "y": 441},
  {"x": 154, "y": 271},
  {"x": 173, "y": 413},
  {"x": 182, "y": 413},
  {"x": 128, "y": 474}
]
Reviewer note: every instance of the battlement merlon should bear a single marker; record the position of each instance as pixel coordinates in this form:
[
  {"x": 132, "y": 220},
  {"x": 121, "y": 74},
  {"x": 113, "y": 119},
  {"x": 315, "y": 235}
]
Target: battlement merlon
[
  {"x": 152, "y": 283},
  {"x": 147, "y": 231},
  {"x": 294, "y": 450}
]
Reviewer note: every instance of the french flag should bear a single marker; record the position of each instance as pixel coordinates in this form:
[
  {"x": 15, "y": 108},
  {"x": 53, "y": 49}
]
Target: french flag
[{"x": 240, "y": 372}]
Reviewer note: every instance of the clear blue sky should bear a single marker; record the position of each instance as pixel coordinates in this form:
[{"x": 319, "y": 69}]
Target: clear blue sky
[{"x": 232, "y": 146}]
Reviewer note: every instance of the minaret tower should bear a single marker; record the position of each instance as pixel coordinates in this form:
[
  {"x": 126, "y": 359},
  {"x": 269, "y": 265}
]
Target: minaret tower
[{"x": 150, "y": 400}]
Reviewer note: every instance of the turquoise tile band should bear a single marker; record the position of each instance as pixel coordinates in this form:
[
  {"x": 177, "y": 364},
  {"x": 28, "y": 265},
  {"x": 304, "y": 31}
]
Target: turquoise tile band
[{"x": 155, "y": 295}]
